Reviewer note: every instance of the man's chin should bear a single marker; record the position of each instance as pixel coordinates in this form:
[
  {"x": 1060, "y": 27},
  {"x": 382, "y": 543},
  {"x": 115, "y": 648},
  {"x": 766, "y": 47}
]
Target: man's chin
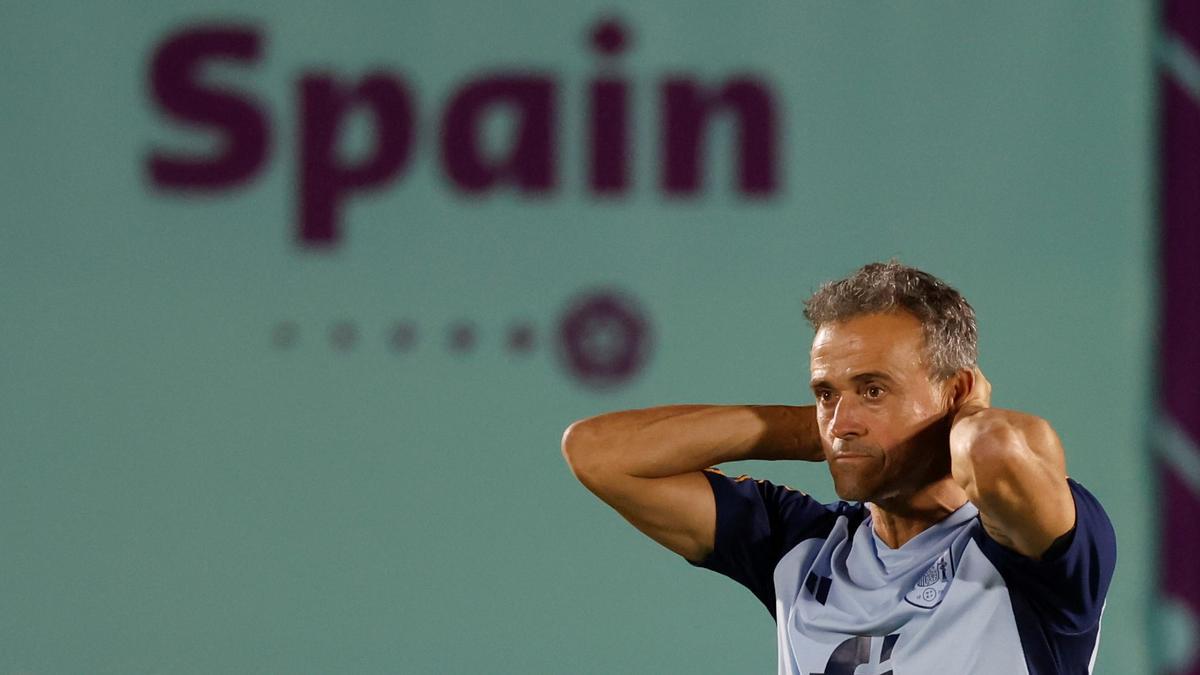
[
  {"x": 851, "y": 491},
  {"x": 852, "y": 485}
]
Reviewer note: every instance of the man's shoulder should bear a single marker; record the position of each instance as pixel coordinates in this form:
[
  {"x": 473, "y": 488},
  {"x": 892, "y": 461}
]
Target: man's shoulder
[{"x": 784, "y": 498}]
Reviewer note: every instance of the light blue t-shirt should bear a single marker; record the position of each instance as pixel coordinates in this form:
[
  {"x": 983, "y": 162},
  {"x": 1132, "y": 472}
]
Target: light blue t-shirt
[{"x": 951, "y": 600}]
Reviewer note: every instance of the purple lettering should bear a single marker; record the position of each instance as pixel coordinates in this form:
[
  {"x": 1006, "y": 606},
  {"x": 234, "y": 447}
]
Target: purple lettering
[
  {"x": 688, "y": 108},
  {"x": 609, "y": 105},
  {"x": 529, "y": 163},
  {"x": 325, "y": 180},
  {"x": 174, "y": 80},
  {"x": 526, "y": 160}
]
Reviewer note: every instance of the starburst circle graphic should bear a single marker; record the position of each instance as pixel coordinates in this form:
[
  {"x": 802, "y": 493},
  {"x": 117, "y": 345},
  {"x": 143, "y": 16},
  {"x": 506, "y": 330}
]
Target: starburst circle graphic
[{"x": 605, "y": 338}]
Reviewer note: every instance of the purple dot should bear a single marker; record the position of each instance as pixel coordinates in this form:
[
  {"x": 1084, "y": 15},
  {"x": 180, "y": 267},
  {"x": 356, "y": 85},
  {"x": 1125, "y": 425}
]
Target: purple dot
[
  {"x": 604, "y": 338},
  {"x": 343, "y": 335},
  {"x": 520, "y": 338},
  {"x": 402, "y": 336},
  {"x": 462, "y": 336},
  {"x": 609, "y": 37},
  {"x": 285, "y": 334}
]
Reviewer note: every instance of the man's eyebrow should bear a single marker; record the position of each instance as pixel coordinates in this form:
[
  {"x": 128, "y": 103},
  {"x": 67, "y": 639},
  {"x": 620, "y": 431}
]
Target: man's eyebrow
[
  {"x": 873, "y": 375},
  {"x": 869, "y": 376}
]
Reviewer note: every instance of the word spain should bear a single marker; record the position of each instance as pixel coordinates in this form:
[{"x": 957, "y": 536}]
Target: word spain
[{"x": 528, "y": 156}]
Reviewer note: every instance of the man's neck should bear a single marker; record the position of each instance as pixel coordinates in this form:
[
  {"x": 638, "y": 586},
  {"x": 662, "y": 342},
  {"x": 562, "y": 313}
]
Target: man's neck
[{"x": 898, "y": 520}]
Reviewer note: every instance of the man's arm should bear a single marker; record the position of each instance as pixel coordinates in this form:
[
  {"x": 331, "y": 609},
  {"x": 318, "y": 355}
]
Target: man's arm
[
  {"x": 647, "y": 463},
  {"x": 1012, "y": 466}
]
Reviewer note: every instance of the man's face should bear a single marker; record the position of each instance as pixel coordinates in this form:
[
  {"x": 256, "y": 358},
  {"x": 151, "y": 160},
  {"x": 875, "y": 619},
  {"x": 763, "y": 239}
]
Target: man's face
[{"x": 883, "y": 422}]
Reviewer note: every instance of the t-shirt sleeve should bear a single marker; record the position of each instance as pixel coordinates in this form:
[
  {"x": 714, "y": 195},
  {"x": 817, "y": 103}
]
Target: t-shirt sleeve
[
  {"x": 757, "y": 523},
  {"x": 1069, "y": 583}
]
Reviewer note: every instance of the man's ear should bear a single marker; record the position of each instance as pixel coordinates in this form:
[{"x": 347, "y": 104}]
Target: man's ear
[{"x": 959, "y": 386}]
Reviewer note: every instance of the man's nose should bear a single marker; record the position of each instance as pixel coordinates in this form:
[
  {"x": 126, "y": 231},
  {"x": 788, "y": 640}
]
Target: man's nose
[{"x": 847, "y": 419}]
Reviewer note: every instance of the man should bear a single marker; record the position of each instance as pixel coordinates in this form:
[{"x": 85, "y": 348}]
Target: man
[{"x": 960, "y": 546}]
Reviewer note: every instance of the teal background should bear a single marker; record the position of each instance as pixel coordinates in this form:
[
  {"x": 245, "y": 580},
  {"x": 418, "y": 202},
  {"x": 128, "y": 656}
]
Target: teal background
[{"x": 178, "y": 496}]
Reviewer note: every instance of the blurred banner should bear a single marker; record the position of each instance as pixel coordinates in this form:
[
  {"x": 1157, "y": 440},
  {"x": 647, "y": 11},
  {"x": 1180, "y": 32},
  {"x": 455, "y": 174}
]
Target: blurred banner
[
  {"x": 299, "y": 299},
  {"x": 1178, "y": 426}
]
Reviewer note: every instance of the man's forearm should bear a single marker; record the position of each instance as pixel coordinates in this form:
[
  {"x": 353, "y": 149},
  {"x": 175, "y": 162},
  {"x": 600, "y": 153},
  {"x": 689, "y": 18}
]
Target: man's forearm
[
  {"x": 1012, "y": 467},
  {"x": 674, "y": 439},
  {"x": 986, "y": 440}
]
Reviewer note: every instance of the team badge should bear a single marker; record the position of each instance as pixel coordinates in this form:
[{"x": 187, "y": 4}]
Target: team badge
[{"x": 932, "y": 585}]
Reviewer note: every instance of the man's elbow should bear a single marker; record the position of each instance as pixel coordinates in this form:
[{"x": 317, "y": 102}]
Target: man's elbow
[{"x": 578, "y": 447}]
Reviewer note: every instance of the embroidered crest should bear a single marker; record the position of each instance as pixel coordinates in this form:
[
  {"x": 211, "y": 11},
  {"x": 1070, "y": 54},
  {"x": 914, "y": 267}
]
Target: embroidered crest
[{"x": 932, "y": 585}]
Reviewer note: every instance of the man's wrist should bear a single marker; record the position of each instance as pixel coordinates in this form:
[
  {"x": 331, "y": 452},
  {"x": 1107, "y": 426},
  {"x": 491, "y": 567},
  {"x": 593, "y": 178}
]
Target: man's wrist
[
  {"x": 790, "y": 432},
  {"x": 967, "y": 410}
]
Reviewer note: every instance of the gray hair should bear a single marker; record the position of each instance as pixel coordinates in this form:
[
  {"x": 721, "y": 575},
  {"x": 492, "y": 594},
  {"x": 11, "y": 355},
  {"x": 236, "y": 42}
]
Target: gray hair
[{"x": 951, "y": 335}]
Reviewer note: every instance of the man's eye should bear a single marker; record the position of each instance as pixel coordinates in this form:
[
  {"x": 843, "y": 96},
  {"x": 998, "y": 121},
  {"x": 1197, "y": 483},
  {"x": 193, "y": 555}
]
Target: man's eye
[
  {"x": 874, "y": 392},
  {"x": 824, "y": 395}
]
